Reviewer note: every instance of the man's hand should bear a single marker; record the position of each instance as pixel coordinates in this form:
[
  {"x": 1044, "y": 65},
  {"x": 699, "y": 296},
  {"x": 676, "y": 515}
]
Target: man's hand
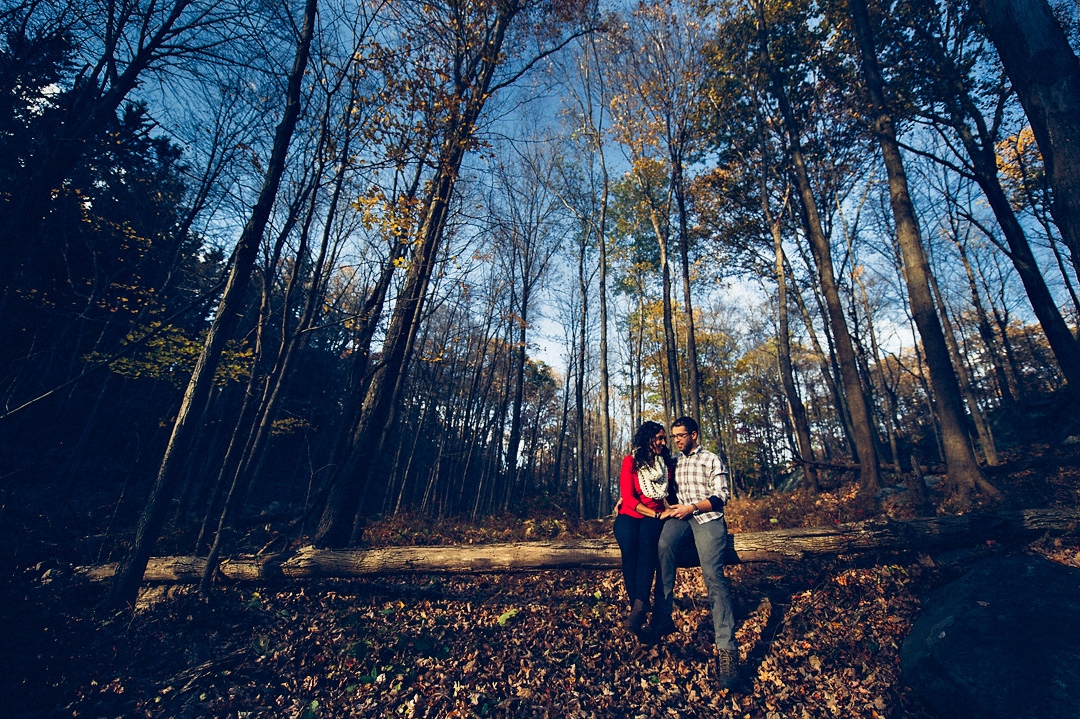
[{"x": 679, "y": 511}]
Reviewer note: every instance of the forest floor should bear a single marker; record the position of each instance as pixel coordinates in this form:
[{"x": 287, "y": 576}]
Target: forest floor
[{"x": 819, "y": 637}]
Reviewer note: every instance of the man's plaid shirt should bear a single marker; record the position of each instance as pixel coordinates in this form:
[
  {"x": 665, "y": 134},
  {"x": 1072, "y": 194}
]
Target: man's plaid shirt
[{"x": 698, "y": 476}]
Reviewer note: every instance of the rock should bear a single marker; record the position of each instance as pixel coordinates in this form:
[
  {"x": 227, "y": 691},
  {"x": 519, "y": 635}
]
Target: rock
[
  {"x": 1073, "y": 440},
  {"x": 1001, "y": 641}
]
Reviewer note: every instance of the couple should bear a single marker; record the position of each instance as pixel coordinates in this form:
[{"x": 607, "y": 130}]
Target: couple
[{"x": 667, "y": 509}]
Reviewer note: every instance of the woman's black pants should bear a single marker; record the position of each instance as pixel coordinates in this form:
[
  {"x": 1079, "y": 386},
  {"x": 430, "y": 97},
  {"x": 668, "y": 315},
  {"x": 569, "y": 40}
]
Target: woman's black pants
[{"x": 638, "y": 540}]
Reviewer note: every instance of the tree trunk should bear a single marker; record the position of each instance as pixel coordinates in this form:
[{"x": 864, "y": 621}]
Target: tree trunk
[
  {"x": 890, "y": 395},
  {"x": 596, "y": 130},
  {"x": 795, "y": 405},
  {"x": 126, "y": 583},
  {"x": 858, "y": 405},
  {"x": 875, "y": 535},
  {"x": 605, "y": 379},
  {"x": 964, "y": 471},
  {"x": 1046, "y": 76},
  {"x": 519, "y": 354},
  {"x": 693, "y": 379},
  {"x": 986, "y": 332},
  {"x": 579, "y": 380},
  {"x": 840, "y": 406},
  {"x": 670, "y": 345},
  {"x": 796, "y": 409},
  {"x": 982, "y": 427},
  {"x": 350, "y": 481}
]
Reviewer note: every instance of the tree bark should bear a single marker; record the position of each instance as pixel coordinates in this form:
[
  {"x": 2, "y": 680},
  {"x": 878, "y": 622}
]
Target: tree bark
[
  {"x": 876, "y": 535},
  {"x": 605, "y": 378},
  {"x": 964, "y": 470},
  {"x": 858, "y": 405},
  {"x": 1046, "y": 76}
]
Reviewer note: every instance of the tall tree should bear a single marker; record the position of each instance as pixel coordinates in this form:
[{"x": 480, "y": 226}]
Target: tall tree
[
  {"x": 960, "y": 459},
  {"x": 589, "y": 97},
  {"x": 1045, "y": 73},
  {"x": 128, "y": 577},
  {"x": 796, "y": 409},
  {"x": 977, "y": 136},
  {"x": 474, "y": 36},
  {"x": 662, "y": 83},
  {"x": 857, "y": 402},
  {"x": 527, "y": 234}
]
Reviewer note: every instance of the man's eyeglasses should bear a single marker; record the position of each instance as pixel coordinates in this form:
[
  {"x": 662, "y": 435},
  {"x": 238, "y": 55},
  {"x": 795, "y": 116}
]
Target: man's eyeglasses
[{"x": 679, "y": 436}]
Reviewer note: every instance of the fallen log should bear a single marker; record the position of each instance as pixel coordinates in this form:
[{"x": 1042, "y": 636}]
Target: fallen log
[{"x": 883, "y": 534}]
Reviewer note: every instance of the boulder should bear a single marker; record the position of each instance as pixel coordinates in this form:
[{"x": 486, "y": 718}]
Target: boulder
[{"x": 1001, "y": 641}]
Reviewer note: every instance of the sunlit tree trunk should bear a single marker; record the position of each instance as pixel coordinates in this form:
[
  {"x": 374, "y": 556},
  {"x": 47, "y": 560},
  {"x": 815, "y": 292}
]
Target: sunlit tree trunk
[
  {"x": 660, "y": 230},
  {"x": 693, "y": 378},
  {"x": 963, "y": 469},
  {"x": 857, "y": 402}
]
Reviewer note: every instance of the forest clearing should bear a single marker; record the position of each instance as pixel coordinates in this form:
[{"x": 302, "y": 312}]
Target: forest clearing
[
  {"x": 332, "y": 332},
  {"x": 820, "y": 636}
]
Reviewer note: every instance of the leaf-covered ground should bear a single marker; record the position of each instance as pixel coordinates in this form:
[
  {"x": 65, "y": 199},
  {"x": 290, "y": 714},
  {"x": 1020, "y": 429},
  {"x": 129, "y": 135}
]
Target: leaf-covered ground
[
  {"x": 820, "y": 642},
  {"x": 819, "y": 638}
]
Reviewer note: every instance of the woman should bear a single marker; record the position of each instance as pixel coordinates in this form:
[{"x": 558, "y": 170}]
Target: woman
[{"x": 645, "y": 482}]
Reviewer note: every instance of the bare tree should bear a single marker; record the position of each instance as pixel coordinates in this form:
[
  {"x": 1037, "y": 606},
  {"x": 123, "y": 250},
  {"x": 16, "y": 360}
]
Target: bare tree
[{"x": 129, "y": 577}]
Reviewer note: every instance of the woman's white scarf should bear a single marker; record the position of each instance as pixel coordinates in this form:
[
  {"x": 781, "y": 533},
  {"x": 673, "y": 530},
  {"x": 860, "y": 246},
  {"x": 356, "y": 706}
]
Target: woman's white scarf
[{"x": 653, "y": 478}]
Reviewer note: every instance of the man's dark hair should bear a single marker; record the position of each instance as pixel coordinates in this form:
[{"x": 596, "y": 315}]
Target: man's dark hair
[{"x": 688, "y": 422}]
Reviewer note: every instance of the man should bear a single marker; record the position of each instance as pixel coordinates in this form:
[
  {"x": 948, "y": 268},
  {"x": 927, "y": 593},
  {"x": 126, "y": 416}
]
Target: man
[{"x": 701, "y": 485}]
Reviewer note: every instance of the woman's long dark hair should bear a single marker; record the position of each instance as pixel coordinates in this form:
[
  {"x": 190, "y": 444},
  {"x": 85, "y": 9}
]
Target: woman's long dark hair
[{"x": 642, "y": 439}]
